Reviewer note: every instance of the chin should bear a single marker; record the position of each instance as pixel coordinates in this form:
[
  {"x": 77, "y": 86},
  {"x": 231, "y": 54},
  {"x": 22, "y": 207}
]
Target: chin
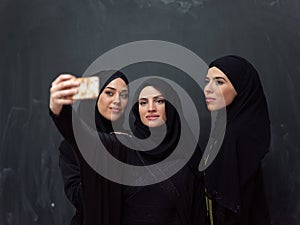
[
  {"x": 152, "y": 125},
  {"x": 156, "y": 124},
  {"x": 213, "y": 109},
  {"x": 114, "y": 118}
]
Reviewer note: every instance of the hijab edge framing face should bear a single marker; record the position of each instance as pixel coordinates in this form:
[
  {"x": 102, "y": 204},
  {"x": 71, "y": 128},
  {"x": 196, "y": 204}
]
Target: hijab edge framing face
[
  {"x": 89, "y": 110},
  {"x": 168, "y": 99},
  {"x": 247, "y": 137},
  {"x": 166, "y": 133},
  {"x": 219, "y": 91},
  {"x": 113, "y": 99},
  {"x": 250, "y": 100},
  {"x": 152, "y": 108}
]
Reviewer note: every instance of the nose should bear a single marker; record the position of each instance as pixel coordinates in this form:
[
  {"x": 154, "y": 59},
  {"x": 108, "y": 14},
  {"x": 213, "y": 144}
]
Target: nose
[
  {"x": 117, "y": 99},
  {"x": 151, "y": 107},
  {"x": 208, "y": 88}
]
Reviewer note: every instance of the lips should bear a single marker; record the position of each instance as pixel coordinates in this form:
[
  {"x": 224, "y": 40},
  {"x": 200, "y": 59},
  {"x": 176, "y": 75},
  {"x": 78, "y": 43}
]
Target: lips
[
  {"x": 115, "y": 109},
  {"x": 152, "y": 117},
  {"x": 209, "y": 99}
]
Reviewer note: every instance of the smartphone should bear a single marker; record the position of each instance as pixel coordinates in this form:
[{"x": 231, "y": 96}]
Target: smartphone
[{"x": 88, "y": 88}]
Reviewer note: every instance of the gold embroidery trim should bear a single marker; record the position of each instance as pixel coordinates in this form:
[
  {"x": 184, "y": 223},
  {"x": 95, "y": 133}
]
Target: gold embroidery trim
[{"x": 209, "y": 209}]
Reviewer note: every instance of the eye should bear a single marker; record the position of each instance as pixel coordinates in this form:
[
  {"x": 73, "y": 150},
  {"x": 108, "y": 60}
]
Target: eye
[
  {"x": 109, "y": 93},
  {"x": 206, "y": 81},
  {"x": 160, "y": 101},
  {"x": 124, "y": 95},
  {"x": 219, "y": 82},
  {"x": 142, "y": 103}
]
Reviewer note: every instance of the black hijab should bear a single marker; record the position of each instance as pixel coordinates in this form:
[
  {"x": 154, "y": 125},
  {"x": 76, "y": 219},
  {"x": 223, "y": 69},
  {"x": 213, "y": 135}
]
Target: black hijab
[
  {"x": 102, "y": 124},
  {"x": 107, "y": 209},
  {"x": 174, "y": 135},
  {"x": 247, "y": 135},
  {"x": 170, "y": 130},
  {"x": 165, "y": 137},
  {"x": 103, "y": 202}
]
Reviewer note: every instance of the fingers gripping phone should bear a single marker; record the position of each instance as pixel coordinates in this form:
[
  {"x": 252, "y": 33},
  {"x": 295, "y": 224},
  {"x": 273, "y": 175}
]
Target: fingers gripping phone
[{"x": 88, "y": 88}]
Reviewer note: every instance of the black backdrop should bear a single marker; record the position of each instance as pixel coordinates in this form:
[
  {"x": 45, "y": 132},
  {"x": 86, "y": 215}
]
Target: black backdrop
[{"x": 40, "y": 39}]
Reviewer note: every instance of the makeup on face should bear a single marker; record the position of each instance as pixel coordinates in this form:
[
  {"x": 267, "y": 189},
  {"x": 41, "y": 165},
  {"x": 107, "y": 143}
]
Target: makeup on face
[
  {"x": 113, "y": 100},
  {"x": 152, "y": 107},
  {"x": 219, "y": 91}
]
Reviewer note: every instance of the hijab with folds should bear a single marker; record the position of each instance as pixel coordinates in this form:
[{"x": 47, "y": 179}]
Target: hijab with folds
[
  {"x": 108, "y": 194},
  {"x": 174, "y": 134},
  {"x": 102, "y": 124},
  {"x": 170, "y": 134},
  {"x": 171, "y": 131},
  {"x": 104, "y": 200},
  {"x": 247, "y": 135}
]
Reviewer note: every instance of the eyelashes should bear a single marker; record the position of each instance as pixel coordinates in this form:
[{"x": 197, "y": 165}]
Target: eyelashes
[
  {"x": 217, "y": 82},
  {"x": 109, "y": 93},
  {"x": 156, "y": 101},
  {"x": 122, "y": 95}
]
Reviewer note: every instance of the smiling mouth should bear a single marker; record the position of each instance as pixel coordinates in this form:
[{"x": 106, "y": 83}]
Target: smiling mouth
[{"x": 115, "y": 110}]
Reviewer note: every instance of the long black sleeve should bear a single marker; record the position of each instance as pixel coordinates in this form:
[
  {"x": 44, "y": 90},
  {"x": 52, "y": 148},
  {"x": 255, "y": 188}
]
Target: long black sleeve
[
  {"x": 70, "y": 170},
  {"x": 90, "y": 146},
  {"x": 65, "y": 125}
]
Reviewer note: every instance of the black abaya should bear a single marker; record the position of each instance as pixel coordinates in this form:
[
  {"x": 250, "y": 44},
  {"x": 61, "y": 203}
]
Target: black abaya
[
  {"x": 175, "y": 201},
  {"x": 68, "y": 159},
  {"x": 234, "y": 180}
]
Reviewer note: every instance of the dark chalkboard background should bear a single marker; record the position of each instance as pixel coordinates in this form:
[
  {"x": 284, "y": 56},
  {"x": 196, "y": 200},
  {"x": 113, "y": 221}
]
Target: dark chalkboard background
[{"x": 40, "y": 39}]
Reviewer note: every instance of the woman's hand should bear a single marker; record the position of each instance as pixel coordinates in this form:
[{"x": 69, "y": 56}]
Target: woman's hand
[{"x": 62, "y": 90}]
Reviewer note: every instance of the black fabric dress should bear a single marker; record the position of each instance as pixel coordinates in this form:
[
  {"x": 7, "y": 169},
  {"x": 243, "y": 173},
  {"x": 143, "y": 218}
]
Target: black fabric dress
[
  {"x": 234, "y": 181},
  {"x": 70, "y": 171},
  {"x": 68, "y": 159},
  {"x": 176, "y": 200}
]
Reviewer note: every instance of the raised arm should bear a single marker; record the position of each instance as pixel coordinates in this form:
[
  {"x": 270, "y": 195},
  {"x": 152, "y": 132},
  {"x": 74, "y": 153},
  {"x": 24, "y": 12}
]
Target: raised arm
[
  {"x": 65, "y": 118},
  {"x": 61, "y": 92}
]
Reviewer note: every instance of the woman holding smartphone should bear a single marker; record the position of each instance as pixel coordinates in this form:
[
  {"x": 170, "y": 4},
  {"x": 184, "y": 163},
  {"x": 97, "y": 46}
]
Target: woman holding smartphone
[
  {"x": 156, "y": 121},
  {"x": 109, "y": 110}
]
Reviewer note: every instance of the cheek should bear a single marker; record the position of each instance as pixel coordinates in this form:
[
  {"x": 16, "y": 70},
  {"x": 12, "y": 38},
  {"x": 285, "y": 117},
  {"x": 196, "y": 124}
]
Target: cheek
[
  {"x": 229, "y": 96},
  {"x": 124, "y": 102},
  {"x": 164, "y": 115},
  {"x": 162, "y": 112},
  {"x": 100, "y": 108},
  {"x": 141, "y": 111},
  {"x": 220, "y": 96},
  {"x": 102, "y": 104}
]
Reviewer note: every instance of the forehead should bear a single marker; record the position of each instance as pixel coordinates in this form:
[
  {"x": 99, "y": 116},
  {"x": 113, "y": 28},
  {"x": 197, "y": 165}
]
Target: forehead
[
  {"x": 117, "y": 84},
  {"x": 148, "y": 92},
  {"x": 215, "y": 72}
]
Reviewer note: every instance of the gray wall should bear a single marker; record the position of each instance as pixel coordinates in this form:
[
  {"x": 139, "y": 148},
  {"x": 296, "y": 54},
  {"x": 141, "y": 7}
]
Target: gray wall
[{"x": 40, "y": 39}]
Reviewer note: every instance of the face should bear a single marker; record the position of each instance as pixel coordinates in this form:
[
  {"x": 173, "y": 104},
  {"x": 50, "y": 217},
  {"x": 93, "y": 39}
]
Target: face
[
  {"x": 113, "y": 100},
  {"x": 219, "y": 91},
  {"x": 152, "y": 107}
]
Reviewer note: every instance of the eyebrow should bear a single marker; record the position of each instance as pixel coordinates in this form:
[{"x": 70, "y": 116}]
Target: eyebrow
[
  {"x": 114, "y": 89},
  {"x": 155, "y": 97},
  {"x": 111, "y": 88},
  {"x": 216, "y": 78}
]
